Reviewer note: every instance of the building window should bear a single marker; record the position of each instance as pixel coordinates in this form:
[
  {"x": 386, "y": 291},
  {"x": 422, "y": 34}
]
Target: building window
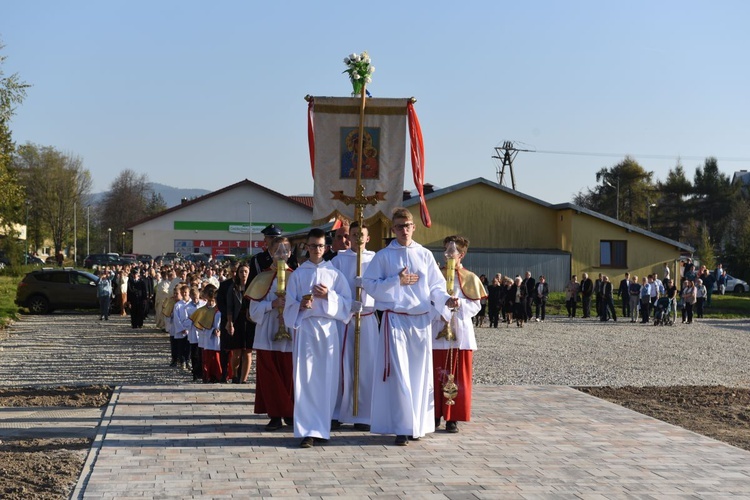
[{"x": 613, "y": 254}]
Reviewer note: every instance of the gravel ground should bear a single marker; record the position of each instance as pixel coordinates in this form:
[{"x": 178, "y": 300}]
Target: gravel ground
[
  {"x": 560, "y": 351},
  {"x": 578, "y": 352}
]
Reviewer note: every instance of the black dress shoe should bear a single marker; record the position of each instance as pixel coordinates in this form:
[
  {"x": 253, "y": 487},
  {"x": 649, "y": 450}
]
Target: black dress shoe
[
  {"x": 275, "y": 424},
  {"x": 288, "y": 420},
  {"x": 306, "y": 442},
  {"x": 451, "y": 426},
  {"x": 335, "y": 424},
  {"x": 412, "y": 438},
  {"x": 362, "y": 427},
  {"x": 437, "y": 422},
  {"x": 402, "y": 440}
]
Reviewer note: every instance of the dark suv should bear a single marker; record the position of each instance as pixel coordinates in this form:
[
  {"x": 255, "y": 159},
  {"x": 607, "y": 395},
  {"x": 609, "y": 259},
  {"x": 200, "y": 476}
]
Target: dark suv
[{"x": 44, "y": 290}]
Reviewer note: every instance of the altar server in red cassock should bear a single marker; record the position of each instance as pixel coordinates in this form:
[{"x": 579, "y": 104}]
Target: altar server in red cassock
[
  {"x": 274, "y": 387},
  {"x": 455, "y": 357}
]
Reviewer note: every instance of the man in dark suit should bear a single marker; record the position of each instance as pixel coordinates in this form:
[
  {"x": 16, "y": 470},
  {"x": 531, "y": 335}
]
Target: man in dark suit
[
  {"x": 624, "y": 293},
  {"x": 541, "y": 292},
  {"x": 340, "y": 241},
  {"x": 587, "y": 288},
  {"x": 598, "y": 294},
  {"x": 529, "y": 284}
]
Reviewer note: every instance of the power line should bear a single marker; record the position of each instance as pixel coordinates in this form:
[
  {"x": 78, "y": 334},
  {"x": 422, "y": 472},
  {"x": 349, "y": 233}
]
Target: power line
[{"x": 651, "y": 156}]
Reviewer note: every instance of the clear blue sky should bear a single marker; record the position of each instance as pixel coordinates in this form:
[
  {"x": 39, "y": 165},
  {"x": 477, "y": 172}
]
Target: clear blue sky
[{"x": 204, "y": 94}]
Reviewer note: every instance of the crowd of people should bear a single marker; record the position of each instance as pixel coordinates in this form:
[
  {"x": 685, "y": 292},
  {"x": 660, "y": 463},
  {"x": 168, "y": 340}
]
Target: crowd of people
[
  {"x": 520, "y": 300},
  {"x": 411, "y": 376},
  {"x": 648, "y": 299}
]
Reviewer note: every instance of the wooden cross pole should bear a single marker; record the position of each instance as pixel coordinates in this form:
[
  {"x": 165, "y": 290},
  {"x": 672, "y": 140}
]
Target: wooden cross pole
[{"x": 359, "y": 200}]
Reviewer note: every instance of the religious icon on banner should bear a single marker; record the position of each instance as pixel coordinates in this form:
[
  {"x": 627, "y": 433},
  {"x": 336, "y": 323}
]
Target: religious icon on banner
[{"x": 349, "y": 153}]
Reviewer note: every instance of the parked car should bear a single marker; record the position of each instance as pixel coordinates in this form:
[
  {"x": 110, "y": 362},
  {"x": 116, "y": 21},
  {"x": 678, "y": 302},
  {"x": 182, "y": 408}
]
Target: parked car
[
  {"x": 34, "y": 261},
  {"x": 44, "y": 290},
  {"x": 168, "y": 259},
  {"x": 4, "y": 260},
  {"x": 96, "y": 260},
  {"x": 198, "y": 257},
  {"x": 144, "y": 258},
  {"x": 735, "y": 285},
  {"x": 227, "y": 257}
]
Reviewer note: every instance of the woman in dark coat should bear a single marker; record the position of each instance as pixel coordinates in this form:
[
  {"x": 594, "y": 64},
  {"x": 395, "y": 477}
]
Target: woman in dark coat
[
  {"x": 517, "y": 295},
  {"x": 494, "y": 303},
  {"x": 137, "y": 296},
  {"x": 507, "y": 299},
  {"x": 239, "y": 326}
]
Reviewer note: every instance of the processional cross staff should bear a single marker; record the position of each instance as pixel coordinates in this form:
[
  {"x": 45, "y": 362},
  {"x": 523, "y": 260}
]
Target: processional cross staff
[
  {"x": 359, "y": 200},
  {"x": 360, "y": 70}
]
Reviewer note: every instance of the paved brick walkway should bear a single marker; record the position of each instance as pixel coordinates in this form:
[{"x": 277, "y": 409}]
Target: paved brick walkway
[{"x": 200, "y": 441}]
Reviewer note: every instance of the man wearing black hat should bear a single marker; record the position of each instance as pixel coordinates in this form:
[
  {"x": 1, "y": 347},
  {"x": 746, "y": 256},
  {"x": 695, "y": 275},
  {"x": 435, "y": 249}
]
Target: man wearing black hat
[{"x": 264, "y": 260}]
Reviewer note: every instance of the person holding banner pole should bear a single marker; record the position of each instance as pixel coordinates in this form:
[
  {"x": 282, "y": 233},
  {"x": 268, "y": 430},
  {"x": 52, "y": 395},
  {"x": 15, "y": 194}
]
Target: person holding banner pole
[
  {"x": 346, "y": 262},
  {"x": 405, "y": 281}
]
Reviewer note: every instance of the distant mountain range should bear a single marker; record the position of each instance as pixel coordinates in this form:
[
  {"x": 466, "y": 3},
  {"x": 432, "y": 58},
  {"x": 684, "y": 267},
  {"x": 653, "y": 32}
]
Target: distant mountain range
[{"x": 172, "y": 195}]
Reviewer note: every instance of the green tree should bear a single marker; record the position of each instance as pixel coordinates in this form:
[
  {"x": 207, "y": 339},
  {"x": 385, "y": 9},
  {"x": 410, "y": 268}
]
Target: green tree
[
  {"x": 12, "y": 93},
  {"x": 673, "y": 204},
  {"x": 713, "y": 198},
  {"x": 56, "y": 185},
  {"x": 156, "y": 204},
  {"x": 635, "y": 188},
  {"x": 736, "y": 255},
  {"x": 705, "y": 249}
]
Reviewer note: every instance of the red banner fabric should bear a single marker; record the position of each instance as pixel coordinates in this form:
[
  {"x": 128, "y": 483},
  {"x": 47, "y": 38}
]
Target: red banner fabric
[{"x": 417, "y": 161}]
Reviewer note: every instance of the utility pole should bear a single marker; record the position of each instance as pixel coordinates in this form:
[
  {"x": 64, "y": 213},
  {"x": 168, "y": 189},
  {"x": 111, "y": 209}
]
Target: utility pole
[{"x": 506, "y": 154}]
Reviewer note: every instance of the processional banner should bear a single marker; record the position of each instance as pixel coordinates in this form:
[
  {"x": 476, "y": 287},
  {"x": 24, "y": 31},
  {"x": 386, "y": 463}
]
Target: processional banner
[{"x": 333, "y": 130}]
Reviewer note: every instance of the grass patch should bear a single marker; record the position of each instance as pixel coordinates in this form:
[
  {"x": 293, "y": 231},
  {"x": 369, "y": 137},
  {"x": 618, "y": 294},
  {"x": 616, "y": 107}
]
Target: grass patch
[
  {"x": 730, "y": 306},
  {"x": 8, "y": 309}
]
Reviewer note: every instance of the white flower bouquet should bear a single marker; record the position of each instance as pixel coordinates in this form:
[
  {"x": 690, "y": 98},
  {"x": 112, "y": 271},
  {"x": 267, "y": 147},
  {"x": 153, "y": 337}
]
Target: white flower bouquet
[{"x": 360, "y": 70}]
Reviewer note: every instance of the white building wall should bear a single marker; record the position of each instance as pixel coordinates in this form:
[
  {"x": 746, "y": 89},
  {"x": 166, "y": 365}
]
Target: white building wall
[{"x": 236, "y": 207}]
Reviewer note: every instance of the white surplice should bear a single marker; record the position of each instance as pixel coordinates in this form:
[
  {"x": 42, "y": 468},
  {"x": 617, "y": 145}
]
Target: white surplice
[
  {"x": 316, "y": 348},
  {"x": 266, "y": 320},
  {"x": 346, "y": 262},
  {"x": 403, "y": 398}
]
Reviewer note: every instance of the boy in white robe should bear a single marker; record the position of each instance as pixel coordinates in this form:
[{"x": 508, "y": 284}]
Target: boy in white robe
[
  {"x": 405, "y": 281},
  {"x": 346, "y": 262},
  {"x": 317, "y": 297}
]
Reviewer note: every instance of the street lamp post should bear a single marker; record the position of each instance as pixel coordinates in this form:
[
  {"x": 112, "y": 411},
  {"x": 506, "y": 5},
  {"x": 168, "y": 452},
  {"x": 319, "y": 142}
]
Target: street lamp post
[
  {"x": 123, "y": 243},
  {"x": 617, "y": 206},
  {"x": 26, "y": 250},
  {"x": 648, "y": 213},
  {"x": 249, "y": 229},
  {"x": 75, "y": 232},
  {"x": 88, "y": 225},
  {"x": 109, "y": 240}
]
